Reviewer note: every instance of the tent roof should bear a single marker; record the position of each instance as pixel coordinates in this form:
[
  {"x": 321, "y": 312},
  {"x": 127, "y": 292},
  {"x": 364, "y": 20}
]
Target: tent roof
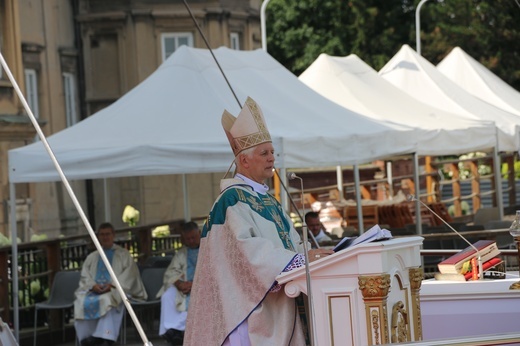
[
  {"x": 352, "y": 83},
  {"x": 476, "y": 79},
  {"x": 170, "y": 123},
  {"x": 418, "y": 77}
]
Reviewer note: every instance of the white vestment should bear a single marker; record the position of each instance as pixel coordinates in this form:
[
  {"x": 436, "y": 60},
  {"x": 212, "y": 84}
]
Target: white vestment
[
  {"x": 171, "y": 318},
  {"x": 322, "y": 237},
  {"x": 250, "y": 240},
  {"x": 107, "y": 327},
  {"x": 173, "y": 302},
  {"x": 128, "y": 276}
]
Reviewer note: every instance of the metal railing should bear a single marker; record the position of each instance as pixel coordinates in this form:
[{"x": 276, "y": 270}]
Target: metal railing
[{"x": 39, "y": 261}]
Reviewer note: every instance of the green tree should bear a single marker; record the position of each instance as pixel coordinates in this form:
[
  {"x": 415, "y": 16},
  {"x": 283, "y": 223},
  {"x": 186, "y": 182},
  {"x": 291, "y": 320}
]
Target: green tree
[
  {"x": 489, "y": 31},
  {"x": 299, "y": 30}
]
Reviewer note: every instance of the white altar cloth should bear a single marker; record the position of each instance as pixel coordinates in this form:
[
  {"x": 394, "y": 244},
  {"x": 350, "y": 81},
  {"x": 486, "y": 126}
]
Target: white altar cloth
[{"x": 451, "y": 309}]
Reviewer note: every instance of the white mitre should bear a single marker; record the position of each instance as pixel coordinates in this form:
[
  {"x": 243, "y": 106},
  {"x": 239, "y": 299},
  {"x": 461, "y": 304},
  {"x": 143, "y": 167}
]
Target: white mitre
[{"x": 248, "y": 129}]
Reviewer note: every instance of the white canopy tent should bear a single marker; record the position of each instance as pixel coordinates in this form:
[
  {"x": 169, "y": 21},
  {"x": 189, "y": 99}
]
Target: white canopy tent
[
  {"x": 418, "y": 77},
  {"x": 479, "y": 81},
  {"x": 352, "y": 83},
  {"x": 413, "y": 74},
  {"x": 170, "y": 123}
]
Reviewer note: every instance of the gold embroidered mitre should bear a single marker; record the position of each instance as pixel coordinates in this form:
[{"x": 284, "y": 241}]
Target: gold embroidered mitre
[{"x": 248, "y": 129}]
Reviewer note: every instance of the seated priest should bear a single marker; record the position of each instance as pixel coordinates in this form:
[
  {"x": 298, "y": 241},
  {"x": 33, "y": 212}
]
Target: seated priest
[
  {"x": 98, "y": 308},
  {"x": 178, "y": 279}
]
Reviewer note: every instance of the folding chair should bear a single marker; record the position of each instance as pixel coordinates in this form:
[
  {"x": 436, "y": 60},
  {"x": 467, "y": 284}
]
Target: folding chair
[
  {"x": 153, "y": 281},
  {"x": 61, "y": 296}
]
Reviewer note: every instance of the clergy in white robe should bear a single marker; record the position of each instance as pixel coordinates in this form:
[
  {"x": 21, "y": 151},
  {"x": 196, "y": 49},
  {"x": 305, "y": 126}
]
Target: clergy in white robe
[
  {"x": 98, "y": 308},
  {"x": 247, "y": 241},
  {"x": 178, "y": 279}
]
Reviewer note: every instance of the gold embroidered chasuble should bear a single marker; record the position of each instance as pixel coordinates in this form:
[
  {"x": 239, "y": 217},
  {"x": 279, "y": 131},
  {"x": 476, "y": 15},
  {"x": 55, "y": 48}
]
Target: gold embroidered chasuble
[{"x": 248, "y": 240}]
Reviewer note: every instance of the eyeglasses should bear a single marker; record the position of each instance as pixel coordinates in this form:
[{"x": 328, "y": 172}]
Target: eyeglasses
[{"x": 105, "y": 234}]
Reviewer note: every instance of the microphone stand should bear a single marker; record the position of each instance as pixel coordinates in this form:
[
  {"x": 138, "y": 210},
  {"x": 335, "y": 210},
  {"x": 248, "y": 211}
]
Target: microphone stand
[
  {"x": 479, "y": 258},
  {"x": 307, "y": 270},
  {"x": 293, "y": 176}
]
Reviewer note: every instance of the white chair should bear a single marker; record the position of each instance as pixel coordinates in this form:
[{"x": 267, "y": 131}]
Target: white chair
[{"x": 61, "y": 296}]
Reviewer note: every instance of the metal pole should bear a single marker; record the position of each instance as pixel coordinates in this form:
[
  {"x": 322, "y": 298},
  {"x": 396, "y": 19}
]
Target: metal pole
[
  {"x": 498, "y": 178},
  {"x": 187, "y": 208},
  {"x": 417, "y": 182},
  {"x": 307, "y": 269},
  {"x": 339, "y": 178},
  {"x": 418, "y": 27},
  {"x": 126, "y": 300},
  {"x": 14, "y": 260},
  {"x": 106, "y": 200},
  {"x": 359, "y": 207},
  {"x": 262, "y": 24}
]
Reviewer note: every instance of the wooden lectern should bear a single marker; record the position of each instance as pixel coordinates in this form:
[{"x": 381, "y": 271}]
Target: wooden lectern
[{"x": 364, "y": 295}]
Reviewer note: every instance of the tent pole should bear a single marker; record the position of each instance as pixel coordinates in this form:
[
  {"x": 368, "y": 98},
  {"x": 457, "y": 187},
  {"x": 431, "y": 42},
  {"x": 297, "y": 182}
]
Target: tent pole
[
  {"x": 106, "y": 200},
  {"x": 417, "y": 183},
  {"x": 390, "y": 180},
  {"x": 187, "y": 211},
  {"x": 14, "y": 259},
  {"x": 284, "y": 198},
  {"x": 339, "y": 177},
  {"x": 498, "y": 179},
  {"x": 358, "y": 199}
]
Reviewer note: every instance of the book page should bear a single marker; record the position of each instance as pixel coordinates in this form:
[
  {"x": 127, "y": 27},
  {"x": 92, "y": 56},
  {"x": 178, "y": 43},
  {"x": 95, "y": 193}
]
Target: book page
[{"x": 373, "y": 234}]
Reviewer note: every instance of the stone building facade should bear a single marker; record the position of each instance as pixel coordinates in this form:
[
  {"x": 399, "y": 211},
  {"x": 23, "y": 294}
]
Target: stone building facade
[{"x": 72, "y": 58}]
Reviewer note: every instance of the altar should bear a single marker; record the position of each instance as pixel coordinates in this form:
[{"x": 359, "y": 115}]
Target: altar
[{"x": 453, "y": 309}]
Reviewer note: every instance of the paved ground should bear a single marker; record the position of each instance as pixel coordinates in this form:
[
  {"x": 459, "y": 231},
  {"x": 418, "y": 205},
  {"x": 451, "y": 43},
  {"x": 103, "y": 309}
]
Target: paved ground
[
  {"x": 131, "y": 341},
  {"x": 132, "y": 338}
]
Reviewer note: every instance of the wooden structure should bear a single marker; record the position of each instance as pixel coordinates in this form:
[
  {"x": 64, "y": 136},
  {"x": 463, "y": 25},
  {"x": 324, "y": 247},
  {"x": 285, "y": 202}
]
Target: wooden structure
[
  {"x": 365, "y": 295},
  {"x": 395, "y": 215}
]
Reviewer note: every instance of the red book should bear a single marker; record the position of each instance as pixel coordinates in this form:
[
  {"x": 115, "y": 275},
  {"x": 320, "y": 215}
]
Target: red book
[
  {"x": 485, "y": 266},
  {"x": 452, "y": 265}
]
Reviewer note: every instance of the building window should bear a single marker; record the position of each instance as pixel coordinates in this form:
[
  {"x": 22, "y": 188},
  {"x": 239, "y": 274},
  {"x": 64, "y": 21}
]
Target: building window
[
  {"x": 234, "y": 39},
  {"x": 173, "y": 40},
  {"x": 31, "y": 89},
  {"x": 69, "y": 90}
]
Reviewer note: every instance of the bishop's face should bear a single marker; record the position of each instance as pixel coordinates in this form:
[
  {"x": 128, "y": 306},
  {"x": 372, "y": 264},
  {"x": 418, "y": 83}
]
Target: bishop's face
[{"x": 259, "y": 165}]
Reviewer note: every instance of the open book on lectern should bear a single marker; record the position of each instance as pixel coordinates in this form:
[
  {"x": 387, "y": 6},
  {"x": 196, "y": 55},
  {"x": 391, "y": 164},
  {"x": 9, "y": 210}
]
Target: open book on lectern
[{"x": 375, "y": 233}]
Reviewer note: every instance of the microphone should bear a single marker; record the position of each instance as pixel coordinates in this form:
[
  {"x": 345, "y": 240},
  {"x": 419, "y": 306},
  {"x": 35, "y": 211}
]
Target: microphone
[
  {"x": 411, "y": 197},
  {"x": 292, "y": 176}
]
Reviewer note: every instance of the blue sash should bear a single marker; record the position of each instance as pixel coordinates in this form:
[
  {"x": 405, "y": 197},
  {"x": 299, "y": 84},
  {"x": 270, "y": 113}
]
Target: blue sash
[
  {"x": 190, "y": 270},
  {"x": 91, "y": 303}
]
